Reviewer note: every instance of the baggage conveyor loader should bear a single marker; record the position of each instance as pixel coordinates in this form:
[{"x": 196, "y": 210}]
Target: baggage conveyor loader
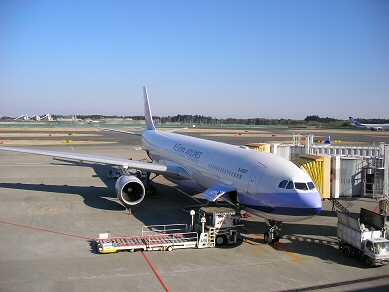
[{"x": 216, "y": 227}]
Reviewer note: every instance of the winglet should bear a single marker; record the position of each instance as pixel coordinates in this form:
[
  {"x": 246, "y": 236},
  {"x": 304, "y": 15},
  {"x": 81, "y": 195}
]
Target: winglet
[
  {"x": 328, "y": 141},
  {"x": 148, "y": 116}
]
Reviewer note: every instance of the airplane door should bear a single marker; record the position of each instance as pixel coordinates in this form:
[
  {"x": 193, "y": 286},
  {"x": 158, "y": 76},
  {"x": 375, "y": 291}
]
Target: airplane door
[{"x": 254, "y": 179}]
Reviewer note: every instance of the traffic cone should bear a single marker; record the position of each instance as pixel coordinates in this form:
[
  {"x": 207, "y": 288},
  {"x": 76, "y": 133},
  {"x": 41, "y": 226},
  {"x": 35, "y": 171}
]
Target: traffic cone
[{"x": 129, "y": 211}]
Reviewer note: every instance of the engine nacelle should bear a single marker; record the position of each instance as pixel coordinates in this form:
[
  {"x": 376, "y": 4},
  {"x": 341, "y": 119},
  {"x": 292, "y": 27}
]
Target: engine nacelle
[{"x": 130, "y": 190}]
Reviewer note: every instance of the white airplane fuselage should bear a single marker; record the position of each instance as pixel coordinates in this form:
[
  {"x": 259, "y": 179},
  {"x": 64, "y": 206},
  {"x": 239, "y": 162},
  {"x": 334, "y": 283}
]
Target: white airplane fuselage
[
  {"x": 372, "y": 127},
  {"x": 255, "y": 175}
]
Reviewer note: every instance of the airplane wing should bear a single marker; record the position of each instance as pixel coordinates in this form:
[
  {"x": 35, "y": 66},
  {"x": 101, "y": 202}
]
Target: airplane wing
[
  {"x": 125, "y": 163},
  {"x": 121, "y": 131},
  {"x": 177, "y": 130},
  {"x": 139, "y": 134}
]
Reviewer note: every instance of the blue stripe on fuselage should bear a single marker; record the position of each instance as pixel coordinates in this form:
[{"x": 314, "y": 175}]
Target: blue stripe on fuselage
[
  {"x": 292, "y": 204},
  {"x": 286, "y": 211}
]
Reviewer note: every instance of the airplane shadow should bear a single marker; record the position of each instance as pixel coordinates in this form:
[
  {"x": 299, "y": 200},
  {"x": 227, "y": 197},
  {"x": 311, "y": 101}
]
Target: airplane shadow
[
  {"x": 304, "y": 240},
  {"x": 96, "y": 197},
  {"x": 296, "y": 238}
]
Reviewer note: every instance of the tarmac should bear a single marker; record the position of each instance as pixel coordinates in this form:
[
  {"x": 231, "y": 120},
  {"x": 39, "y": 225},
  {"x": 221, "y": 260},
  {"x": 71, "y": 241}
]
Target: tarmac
[{"x": 51, "y": 210}]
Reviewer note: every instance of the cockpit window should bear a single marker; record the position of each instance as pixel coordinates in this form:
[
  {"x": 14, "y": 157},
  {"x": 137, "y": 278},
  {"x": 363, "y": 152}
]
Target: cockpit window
[
  {"x": 289, "y": 185},
  {"x": 311, "y": 185},
  {"x": 301, "y": 186},
  {"x": 283, "y": 184}
]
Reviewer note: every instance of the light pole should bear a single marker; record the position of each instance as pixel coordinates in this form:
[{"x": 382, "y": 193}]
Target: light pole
[
  {"x": 203, "y": 220},
  {"x": 192, "y": 213}
]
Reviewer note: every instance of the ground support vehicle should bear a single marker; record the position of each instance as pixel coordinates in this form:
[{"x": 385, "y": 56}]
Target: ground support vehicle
[
  {"x": 220, "y": 229},
  {"x": 154, "y": 237},
  {"x": 364, "y": 237},
  {"x": 221, "y": 222}
]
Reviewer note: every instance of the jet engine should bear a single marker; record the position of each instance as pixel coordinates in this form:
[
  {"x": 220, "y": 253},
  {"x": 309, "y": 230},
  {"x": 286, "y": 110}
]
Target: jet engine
[{"x": 130, "y": 190}]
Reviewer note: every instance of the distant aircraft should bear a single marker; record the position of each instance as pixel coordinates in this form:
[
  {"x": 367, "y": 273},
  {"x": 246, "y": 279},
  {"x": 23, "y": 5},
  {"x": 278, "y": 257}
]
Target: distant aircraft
[
  {"x": 35, "y": 117},
  {"x": 23, "y": 117},
  {"x": 47, "y": 117},
  {"x": 72, "y": 119},
  {"x": 372, "y": 127},
  {"x": 327, "y": 142},
  {"x": 265, "y": 184},
  {"x": 90, "y": 121}
]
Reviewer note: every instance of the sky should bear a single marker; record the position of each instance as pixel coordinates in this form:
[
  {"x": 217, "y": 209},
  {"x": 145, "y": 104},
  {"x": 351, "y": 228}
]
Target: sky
[{"x": 224, "y": 59}]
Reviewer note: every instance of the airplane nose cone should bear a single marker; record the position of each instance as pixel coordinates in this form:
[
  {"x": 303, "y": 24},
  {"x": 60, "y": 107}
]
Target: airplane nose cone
[
  {"x": 292, "y": 206},
  {"x": 312, "y": 202}
]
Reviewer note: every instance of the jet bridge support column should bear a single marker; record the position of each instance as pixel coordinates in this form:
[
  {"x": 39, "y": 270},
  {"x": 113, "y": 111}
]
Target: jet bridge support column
[
  {"x": 335, "y": 177},
  {"x": 385, "y": 201},
  {"x": 386, "y": 170},
  {"x": 308, "y": 143}
]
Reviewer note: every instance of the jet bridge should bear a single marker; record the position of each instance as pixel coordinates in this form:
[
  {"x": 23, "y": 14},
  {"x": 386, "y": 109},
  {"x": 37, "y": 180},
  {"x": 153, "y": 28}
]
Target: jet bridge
[
  {"x": 338, "y": 171},
  {"x": 355, "y": 171},
  {"x": 319, "y": 168}
]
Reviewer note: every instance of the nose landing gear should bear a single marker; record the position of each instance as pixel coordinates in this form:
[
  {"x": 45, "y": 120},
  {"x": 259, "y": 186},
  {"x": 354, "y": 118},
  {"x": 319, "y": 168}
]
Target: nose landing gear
[{"x": 273, "y": 234}]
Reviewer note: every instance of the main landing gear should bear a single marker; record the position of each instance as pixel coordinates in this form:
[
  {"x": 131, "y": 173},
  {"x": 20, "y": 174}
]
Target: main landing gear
[
  {"x": 273, "y": 235},
  {"x": 150, "y": 189}
]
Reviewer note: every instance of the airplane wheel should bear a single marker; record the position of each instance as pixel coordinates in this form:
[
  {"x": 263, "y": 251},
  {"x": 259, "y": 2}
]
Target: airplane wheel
[
  {"x": 267, "y": 238},
  {"x": 170, "y": 248}
]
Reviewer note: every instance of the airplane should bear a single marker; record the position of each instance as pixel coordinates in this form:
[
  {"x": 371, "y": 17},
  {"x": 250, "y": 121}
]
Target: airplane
[
  {"x": 71, "y": 119},
  {"x": 35, "y": 117},
  {"x": 265, "y": 184},
  {"x": 372, "y": 127},
  {"x": 326, "y": 143},
  {"x": 47, "y": 117},
  {"x": 90, "y": 121},
  {"x": 23, "y": 117}
]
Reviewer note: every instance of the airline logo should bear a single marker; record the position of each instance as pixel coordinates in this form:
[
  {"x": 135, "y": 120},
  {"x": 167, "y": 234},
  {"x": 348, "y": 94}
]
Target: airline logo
[{"x": 187, "y": 153}]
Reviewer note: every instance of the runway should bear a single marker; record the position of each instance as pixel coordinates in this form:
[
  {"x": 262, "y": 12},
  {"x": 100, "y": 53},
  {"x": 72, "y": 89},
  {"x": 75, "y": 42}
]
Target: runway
[
  {"x": 52, "y": 209},
  {"x": 30, "y": 136}
]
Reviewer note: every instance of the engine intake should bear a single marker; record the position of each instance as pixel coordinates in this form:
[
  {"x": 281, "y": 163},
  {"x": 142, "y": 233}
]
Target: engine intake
[{"x": 130, "y": 190}]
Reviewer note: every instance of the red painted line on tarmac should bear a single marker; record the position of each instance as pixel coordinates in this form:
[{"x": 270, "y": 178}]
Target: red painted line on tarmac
[
  {"x": 82, "y": 237},
  {"x": 45, "y": 230},
  {"x": 155, "y": 272}
]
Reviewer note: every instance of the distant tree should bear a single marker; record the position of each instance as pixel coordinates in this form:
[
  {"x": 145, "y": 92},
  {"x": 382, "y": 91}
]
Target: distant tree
[{"x": 312, "y": 118}]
